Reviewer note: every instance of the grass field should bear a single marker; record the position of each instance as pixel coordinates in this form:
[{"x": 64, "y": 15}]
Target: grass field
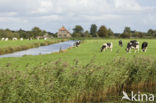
[
  {"x": 18, "y": 45},
  {"x": 79, "y": 75},
  {"x": 89, "y": 50}
]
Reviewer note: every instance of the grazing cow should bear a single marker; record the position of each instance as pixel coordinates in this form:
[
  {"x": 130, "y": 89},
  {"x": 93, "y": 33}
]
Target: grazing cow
[
  {"x": 45, "y": 38},
  {"x": 120, "y": 43},
  {"x": 132, "y": 45},
  {"x": 144, "y": 46},
  {"x": 107, "y": 46},
  {"x": 6, "y": 39},
  {"x": 77, "y": 43},
  {"x": 14, "y": 38},
  {"x": 21, "y": 39},
  {"x": 3, "y": 39}
]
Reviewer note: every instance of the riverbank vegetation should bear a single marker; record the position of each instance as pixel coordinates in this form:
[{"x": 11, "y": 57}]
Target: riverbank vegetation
[{"x": 60, "y": 82}]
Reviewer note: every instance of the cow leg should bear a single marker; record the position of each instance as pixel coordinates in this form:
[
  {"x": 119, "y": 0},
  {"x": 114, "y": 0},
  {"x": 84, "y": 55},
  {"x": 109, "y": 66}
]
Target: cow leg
[
  {"x": 104, "y": 49},
  {"x": 145, "y": 49},
  {"x": 130, "y": 50}
]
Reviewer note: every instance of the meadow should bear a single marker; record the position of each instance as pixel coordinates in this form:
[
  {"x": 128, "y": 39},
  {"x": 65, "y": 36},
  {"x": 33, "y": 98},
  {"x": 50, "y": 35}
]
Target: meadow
[
  {"x": 79, "y": 75},
  {"x": 88, "y": 50},
  {"x": 18, "y": 45}
]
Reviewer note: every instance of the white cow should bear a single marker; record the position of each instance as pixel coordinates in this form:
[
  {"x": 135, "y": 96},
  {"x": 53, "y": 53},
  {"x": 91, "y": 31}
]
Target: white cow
[
  {"x": 6, "y": 39},
  {"x": 14, "y": 38},
  {"x": 21, "y": 39},
  {"x": 45, "y": 38},
  {"x": 3, "y": 39},
  {"x": 107, "y": 46}
]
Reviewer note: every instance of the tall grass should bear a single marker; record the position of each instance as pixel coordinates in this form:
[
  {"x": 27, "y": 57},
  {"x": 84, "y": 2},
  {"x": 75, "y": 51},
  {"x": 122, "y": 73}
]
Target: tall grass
[{"x": 60, "y": 82}]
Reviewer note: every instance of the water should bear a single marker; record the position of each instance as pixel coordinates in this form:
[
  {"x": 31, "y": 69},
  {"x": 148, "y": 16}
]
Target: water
[{"x": 41, "y": 50}]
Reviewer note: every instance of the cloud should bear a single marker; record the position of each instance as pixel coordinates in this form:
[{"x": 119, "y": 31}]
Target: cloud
[{"x": 55, "y": 13}]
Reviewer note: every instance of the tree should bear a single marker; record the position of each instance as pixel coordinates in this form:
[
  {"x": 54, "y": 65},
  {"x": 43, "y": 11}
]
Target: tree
[
  {"x": 150, "y": 32},
  {"x": 127, "y": 30},
  {"x": 93, "y": 30},
  {"x": 110, "y": 32},
  {"x": 76, "y": 35},
  {"x": 126, "y": 33},
  {"x": 78, "y": 29},
  {"x": 102, "y": 32},
  {"x": 86, "y": 34},
  {"x": 36, "y": 31}
]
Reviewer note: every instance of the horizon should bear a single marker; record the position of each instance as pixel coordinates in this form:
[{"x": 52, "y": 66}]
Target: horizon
[{"x": 50, "y": 15}]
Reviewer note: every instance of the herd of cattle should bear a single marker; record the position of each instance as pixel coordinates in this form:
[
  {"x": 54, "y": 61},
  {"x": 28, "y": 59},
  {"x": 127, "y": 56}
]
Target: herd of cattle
[
  {"x": 6, "y": 39},
  {"x": 133, "y": 44}
]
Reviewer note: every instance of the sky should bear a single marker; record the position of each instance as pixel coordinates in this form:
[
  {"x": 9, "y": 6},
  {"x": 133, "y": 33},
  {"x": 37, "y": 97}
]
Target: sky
[{"x": 50, "y": 15}]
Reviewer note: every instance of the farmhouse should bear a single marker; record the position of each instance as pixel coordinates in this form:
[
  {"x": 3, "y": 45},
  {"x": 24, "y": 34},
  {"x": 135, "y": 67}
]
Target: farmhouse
[{"x": 63, "y": 33}]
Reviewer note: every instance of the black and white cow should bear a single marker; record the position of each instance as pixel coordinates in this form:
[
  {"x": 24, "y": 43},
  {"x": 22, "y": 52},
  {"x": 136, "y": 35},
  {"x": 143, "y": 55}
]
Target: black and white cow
[
  {"x": 132, "y": 45},
  {"x": 77, "y": 43},
  {"x": 107, "y": 46},
  {"x": 120, "y": 43},
  {"x": 144, "y": 46}
]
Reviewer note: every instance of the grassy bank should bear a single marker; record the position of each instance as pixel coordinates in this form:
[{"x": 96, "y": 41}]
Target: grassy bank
[
  {"x": 60, "y": 82},
  {"x": 13, "y": 46}
]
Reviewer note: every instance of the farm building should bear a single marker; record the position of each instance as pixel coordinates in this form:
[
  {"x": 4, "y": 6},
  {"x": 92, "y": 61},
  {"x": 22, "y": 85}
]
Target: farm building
[{"x": 63, "y": 33}]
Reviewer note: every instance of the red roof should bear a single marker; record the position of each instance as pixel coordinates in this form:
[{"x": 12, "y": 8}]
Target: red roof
[{"x": 63, "y": 29}]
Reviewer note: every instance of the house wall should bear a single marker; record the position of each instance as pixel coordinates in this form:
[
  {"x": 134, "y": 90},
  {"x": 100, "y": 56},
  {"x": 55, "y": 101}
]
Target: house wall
[{"x": 63, "y": 34}]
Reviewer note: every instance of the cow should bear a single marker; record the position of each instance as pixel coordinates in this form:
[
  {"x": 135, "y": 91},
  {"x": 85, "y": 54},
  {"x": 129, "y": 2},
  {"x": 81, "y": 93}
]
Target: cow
[
  {"x": 6, "y": 39},
  {"x": 3, "y": 39},
  {"x": 45, "y": 38},
  {"x": 120, "y": 43},
  {"x": 77, "y": 43},
  {"x": 133, "y": 44},
  {"x": 21, "y": 39},
  {"x": 14, "y": 38},
  {"x": 144, "y": 46},
  {"x": 107, "y": 46}
]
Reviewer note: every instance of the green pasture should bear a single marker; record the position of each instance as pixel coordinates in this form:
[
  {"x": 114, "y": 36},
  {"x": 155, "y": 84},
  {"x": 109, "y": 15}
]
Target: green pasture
[
  {"x": 14, "y": 43},
  {"x": 89, "y": 51}
]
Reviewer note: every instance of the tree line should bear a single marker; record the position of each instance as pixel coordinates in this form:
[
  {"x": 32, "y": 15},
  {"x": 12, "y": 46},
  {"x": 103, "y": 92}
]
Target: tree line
[
  {"x": 36, "y": 31},
  {"x": 103, "y": 31},
  {"x": 78, "y": 31}
]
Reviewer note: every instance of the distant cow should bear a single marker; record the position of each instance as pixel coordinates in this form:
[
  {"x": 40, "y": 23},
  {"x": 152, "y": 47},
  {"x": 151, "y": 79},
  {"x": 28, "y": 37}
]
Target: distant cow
[
  {"x": 107, "y": 46},
  {"x": 45, "y": 38},
  {"x": 21, "y": 39},
  {"x": 3, "y": 39},
  {"x": 77, "y": 43},
  {"x": 144, "y": 46},
  {"x": 120, "y": 43},
  {"x": 132, "y": 45},
  {"x": 6, "y": 39},
  {"x": 14, "y": 38}
]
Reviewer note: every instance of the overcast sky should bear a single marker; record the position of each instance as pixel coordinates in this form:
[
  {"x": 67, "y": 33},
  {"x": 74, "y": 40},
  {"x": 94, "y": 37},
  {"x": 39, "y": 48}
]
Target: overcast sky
[{"x": 52, "y": 14}]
